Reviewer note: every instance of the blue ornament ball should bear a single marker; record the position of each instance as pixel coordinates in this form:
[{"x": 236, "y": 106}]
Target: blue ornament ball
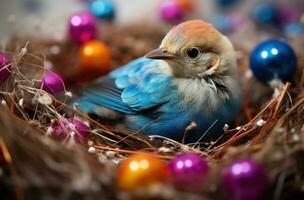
[
  {"x": 226, "y": 3},
  {"x": 103, "y": 9},
  {"x": 273, "y": 59},
  {"x": 293, "y": 30},
  {"x": 266, "y": 13},
  {"x": 222, "y": 23}
]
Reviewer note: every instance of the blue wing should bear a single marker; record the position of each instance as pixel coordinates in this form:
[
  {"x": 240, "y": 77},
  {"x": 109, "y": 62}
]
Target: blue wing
[{"x": 136, "y": 87}]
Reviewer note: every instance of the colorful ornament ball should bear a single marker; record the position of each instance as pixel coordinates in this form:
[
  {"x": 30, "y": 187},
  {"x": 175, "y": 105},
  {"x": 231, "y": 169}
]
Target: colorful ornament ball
[
  {"x": 103, "y": 9},
  {"x": 293, "y": 30},
  {"x": 186, "y": 5},
  {"x": 82, "y": 27},
  {"x": 188, "y": 171},
  {"x": 237, "y": 20},
  {"x": 53, "y": 83},
  {"x": 244, "y": 180},
  {"x": 266, "y": 13},
  {"x": 141, "y": 170},
  {"x": 289, "y": 14},
  {"x": 4, "y": 67},
  {"x": 222, "y": 23},
  {"x": 95, "y": 56},
  {"x": 71, "y": 128},
  {"x": 225, "y": 3},
  {"x": 273, "y": 60},
  {"x": 171, "y": 11}
]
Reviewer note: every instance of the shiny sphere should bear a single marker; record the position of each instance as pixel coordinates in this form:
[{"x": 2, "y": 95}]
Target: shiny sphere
[
  {"x": 226, "y": 3},
  {"x": 244, "y": 180},
  {"x": 293, "y": 30},
  {"x": 266, "y": 13},
  {"x": 94, "y": 56},
  {"x": 141, "y": 170},
  {"x": 273, "y": 59},
  {"x": 71, "y": 128},
  {"x": 187, "y": 5},
  {"x": 171, "y": 11},
  {"x": 188, "y": 171},
  {"x": 53, "y": 83},
  {"x": 103, "y": 9},
  {"x": 82, "y": 27},
  {"x": 4, "y": 67},
  {"x": 236, "y": 20},
  {"x": 222, "y": 23},
  {"x": 289, "y": 14}
]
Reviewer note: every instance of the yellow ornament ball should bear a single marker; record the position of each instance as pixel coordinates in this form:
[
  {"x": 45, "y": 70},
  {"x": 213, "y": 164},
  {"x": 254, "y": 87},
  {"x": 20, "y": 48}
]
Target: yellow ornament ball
[
  {"x": 95, "y": 57},
  {"x": 141, "y": 170}
]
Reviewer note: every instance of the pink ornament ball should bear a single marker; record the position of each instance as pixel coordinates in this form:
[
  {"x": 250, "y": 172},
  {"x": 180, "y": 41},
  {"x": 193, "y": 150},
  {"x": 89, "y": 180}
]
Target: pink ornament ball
[
  {"x": 289, "y": 14},
  {"x": 237, "y": 20},
  {"x": 171, "y": 11},
  {"x": 53, "y": 83},
  {"x": 73, "y": 128},
  {"x": 244, "y": 180},
  {"x": 82, "y": 27},
  {"x": 188, "y": 171},
  {"x": 4, "y": 67}
]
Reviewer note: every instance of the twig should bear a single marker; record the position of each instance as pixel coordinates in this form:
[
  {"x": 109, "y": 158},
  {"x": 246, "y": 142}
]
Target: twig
[
  {"x": 9, "y": 160},
  {"x": 129, "y": 151}
]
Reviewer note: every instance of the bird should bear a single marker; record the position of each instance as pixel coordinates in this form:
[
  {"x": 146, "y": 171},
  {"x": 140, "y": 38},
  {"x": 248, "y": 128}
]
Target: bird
[{"x": 191, "y": 80}]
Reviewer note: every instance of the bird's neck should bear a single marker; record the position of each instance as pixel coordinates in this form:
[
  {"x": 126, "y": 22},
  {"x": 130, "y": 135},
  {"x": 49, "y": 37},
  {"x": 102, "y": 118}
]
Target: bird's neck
[{"x": 207, "y": 94}]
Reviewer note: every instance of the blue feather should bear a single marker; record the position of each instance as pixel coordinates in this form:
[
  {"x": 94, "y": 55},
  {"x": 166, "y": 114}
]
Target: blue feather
[
  {"x": 104, "y": 94},
  {"x": 133, "y": 88}
]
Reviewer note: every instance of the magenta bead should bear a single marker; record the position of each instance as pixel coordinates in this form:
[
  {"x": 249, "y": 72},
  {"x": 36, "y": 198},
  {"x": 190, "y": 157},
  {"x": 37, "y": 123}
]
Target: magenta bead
[
  {"x": 72, "y": 127},
  {"x": 244, "y": 180},
  {"x": 188, "y": 171},
  {"x": 237, "y": 20},
  {"x": 82, "y": 27},
  {"x": 171, "y": 11},
  {"x": 289, "y": 14},
  {"x": 53, "y": 83},
  {"x": 4, "y": 67}
]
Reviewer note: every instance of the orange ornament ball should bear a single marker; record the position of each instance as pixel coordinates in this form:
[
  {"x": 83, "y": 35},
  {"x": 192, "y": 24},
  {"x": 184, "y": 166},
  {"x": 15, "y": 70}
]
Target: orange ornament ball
[
  {"x": 187, "y": 5},
  {"x": 141, "y": 170},
  {"x": 95, "y": 57}
]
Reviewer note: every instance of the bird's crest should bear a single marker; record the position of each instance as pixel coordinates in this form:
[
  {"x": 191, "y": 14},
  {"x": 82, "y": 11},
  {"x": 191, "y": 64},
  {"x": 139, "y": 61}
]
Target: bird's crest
[{"x": 196, "y": 32}]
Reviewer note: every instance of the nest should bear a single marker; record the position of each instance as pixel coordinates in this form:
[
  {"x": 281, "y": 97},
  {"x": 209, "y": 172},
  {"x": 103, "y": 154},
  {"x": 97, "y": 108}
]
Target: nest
[{"x": 35, "y": 166}]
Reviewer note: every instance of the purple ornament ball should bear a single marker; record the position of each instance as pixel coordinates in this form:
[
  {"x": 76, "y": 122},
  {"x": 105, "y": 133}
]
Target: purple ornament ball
[
  {"x": 237, "y": 20},
  {"x": 4, "y": 67},
  {"x": 53, "y": 83},
  {"x": 171, "y": 11},
  {"x": 289, "y": 14},
  {"x": 244, "y": 180},
  {"x": 73, "y": 128},
  {"x": 188, "y": 171},
  {"x": 82, "y": 27}
]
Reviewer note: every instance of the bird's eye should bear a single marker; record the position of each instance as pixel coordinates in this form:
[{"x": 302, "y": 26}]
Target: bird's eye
[{"x": 193, "y": 53}]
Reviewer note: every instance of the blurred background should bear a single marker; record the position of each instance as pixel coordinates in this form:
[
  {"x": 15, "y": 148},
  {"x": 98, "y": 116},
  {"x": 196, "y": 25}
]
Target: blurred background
[{"x": 48, "y": 17}]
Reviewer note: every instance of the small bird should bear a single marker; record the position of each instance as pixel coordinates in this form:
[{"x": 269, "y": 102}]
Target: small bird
[{"x": 191, "y": 80}]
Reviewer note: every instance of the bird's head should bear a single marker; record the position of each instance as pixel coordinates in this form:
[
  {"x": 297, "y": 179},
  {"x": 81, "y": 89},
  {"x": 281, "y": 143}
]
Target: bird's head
[{"x": 196, "y": 49}]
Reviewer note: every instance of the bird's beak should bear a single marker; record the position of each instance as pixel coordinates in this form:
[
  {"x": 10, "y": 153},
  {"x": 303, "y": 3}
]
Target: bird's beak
[{"x": 160, "y": 53}]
